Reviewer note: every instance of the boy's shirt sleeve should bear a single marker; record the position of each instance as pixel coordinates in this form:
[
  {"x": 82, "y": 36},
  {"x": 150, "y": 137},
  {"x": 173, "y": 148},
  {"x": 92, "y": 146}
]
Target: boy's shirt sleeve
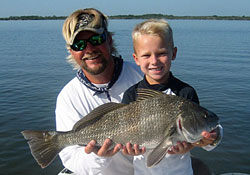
[
  {"x": 190, "y": 94},
  {"x": 129, "y": 95},
  {"x": 126, "y": 98}
]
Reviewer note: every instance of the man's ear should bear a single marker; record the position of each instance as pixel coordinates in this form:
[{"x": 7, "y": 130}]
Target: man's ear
[
  {"x": 71, "y": 52},
  {"x": 110, "y": 40},
  {"x": 174, "y": 53},
  {"x": 136, "y": 59}
]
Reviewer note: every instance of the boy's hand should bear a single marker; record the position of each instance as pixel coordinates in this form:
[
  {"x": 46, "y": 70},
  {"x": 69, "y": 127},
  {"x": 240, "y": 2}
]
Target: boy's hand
[
  {"x": 129, "y": 150},
  {"x": 208, "y": 139},
  {"x": 104, "y": 150},
  {"x": 180, "y": 148}
]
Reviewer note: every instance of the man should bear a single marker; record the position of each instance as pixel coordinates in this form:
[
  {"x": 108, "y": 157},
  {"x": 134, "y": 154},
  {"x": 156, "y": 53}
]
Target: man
[{"x": 101, "y": 77}]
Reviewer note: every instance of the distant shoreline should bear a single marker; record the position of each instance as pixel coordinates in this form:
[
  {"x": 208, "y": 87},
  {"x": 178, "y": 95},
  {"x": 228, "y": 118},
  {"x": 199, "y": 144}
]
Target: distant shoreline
[{"x": 145, "y": 16}]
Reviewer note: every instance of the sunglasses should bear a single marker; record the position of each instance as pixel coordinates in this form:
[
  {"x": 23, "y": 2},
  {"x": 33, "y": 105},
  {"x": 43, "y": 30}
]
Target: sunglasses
[{"x": 80, "y": 45}]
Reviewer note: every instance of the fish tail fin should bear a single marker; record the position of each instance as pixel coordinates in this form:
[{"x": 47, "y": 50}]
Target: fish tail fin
[{"x": 43, "y": 146}]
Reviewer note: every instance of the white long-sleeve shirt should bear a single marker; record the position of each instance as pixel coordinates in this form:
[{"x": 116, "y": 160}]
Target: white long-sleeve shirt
[{"x": 76, "y": 101}]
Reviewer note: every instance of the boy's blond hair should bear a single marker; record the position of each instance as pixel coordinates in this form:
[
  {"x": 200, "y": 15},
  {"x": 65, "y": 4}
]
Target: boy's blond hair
[{"x": 156, "y": 27}]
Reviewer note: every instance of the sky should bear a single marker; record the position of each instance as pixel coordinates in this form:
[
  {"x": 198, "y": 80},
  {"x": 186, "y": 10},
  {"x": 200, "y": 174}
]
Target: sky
[{"x": 124, "y": 7}]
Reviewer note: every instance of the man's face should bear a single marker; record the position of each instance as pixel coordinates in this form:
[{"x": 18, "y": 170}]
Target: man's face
[{"x": 93, "y": 59}]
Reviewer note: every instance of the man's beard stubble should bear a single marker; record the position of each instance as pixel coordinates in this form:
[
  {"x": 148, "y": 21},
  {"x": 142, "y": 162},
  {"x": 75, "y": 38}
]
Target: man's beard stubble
[{"x": 97, "y": 70}]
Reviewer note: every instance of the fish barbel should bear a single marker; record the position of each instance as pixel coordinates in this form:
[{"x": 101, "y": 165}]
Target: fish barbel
[{"x": 155, "y": 120}]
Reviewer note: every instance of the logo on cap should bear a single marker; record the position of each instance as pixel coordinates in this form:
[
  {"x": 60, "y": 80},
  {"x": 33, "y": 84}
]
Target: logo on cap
[{"x": 83, "y": 20}]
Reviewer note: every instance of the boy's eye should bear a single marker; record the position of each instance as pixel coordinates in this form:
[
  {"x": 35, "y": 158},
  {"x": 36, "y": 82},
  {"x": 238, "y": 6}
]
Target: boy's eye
[
  {"x": 145, "y": 56},
  {"x": 163, "y": 53}
]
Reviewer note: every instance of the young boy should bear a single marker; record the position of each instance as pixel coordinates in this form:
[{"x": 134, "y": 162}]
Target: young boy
[{"x": 153, "y": 52}]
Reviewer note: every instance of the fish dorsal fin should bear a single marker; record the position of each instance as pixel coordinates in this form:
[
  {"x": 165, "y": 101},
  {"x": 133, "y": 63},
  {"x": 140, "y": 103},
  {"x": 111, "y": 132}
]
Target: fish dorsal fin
[
  {"x": 158, "y": 153},
  {"x": 97, "y": 113},
  {"x": 143, "y": 94}
]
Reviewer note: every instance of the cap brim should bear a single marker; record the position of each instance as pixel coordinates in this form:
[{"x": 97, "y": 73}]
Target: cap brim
[{"x": 98, "y": 31}]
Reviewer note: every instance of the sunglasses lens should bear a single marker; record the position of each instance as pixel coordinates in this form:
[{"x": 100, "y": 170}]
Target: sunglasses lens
[
  {"x": 97, "y": 39},
  {"x": 79, "y": 45}
]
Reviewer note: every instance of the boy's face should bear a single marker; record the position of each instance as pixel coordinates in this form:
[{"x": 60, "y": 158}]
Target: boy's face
[{"x": 154, "y": 56}]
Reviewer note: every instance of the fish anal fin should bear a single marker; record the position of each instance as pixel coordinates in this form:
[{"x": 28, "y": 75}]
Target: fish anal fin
[
  {"x": 158, "y": 153},
  {"x": 97, "y": 113},
  {"x": 143, "y": 94}
]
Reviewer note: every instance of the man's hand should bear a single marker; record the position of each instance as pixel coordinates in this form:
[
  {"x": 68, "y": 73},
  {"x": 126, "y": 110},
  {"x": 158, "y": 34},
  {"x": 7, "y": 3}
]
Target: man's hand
[
  {"x": 180, "y": 148},
  {"x": 104, "y": 150},
  {"x": 129, "y": 150}
]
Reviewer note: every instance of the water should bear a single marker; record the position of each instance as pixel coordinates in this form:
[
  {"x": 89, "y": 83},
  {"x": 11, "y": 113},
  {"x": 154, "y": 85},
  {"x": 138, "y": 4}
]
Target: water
[{"x": 213, "y": 56}]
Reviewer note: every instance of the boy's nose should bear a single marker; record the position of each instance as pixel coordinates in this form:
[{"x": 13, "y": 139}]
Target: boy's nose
[{"x": 154, "y": 59}]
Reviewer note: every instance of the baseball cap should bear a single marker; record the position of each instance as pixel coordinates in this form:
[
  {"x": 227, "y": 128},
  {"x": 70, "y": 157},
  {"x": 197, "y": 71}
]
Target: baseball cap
[{"x": 87, "y": 20}]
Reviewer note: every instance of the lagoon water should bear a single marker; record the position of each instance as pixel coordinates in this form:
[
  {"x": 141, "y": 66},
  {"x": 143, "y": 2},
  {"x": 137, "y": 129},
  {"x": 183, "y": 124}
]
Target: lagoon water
[{"x": 213, "y": 56}]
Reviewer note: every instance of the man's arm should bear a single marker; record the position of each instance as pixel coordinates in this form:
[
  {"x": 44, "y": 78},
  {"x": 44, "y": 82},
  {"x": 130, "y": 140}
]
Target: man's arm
[{"x": 74, "y": 157}]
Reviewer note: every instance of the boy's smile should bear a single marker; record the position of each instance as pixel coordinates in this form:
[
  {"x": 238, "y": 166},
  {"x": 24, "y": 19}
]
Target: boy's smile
[{"x": 154, "y": 56}]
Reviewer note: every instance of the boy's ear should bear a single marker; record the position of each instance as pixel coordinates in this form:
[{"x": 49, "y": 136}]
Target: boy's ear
[
  {"x": 136, "y": 59},
  {"x": 174, "y": 53}
]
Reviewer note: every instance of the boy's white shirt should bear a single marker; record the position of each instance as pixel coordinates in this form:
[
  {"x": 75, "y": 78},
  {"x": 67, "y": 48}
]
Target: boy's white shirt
[
  {"x": 76, "y": 101},
  {"x": 176, "y": 164}
]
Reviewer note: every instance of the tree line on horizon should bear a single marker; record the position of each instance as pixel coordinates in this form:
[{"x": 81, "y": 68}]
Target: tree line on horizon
[{"x": 145, "y": 16}]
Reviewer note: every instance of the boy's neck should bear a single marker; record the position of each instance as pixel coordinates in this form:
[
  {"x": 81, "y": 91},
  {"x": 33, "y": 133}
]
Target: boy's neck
[{"x": 163, "y": 80}]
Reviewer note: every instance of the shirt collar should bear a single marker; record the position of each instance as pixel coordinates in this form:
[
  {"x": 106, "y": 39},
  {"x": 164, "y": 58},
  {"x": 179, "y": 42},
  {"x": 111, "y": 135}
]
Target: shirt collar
[
  {"x": 158, "y": 87},
  {"x": 98, "y": 90}
]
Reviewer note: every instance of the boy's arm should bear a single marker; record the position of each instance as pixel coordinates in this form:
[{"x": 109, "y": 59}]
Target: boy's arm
[
  {"x": 210, "y": 140},
  {"x": 181, "y": 148}
]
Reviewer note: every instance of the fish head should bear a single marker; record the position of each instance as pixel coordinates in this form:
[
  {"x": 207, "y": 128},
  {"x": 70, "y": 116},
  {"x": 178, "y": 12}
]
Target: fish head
[{"x": 193, "y": 120}]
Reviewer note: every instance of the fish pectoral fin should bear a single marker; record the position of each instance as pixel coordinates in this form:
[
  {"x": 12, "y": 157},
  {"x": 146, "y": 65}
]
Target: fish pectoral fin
[
  {"x": 158, "y": 153},
  {"x": 97, "y": 113}
]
